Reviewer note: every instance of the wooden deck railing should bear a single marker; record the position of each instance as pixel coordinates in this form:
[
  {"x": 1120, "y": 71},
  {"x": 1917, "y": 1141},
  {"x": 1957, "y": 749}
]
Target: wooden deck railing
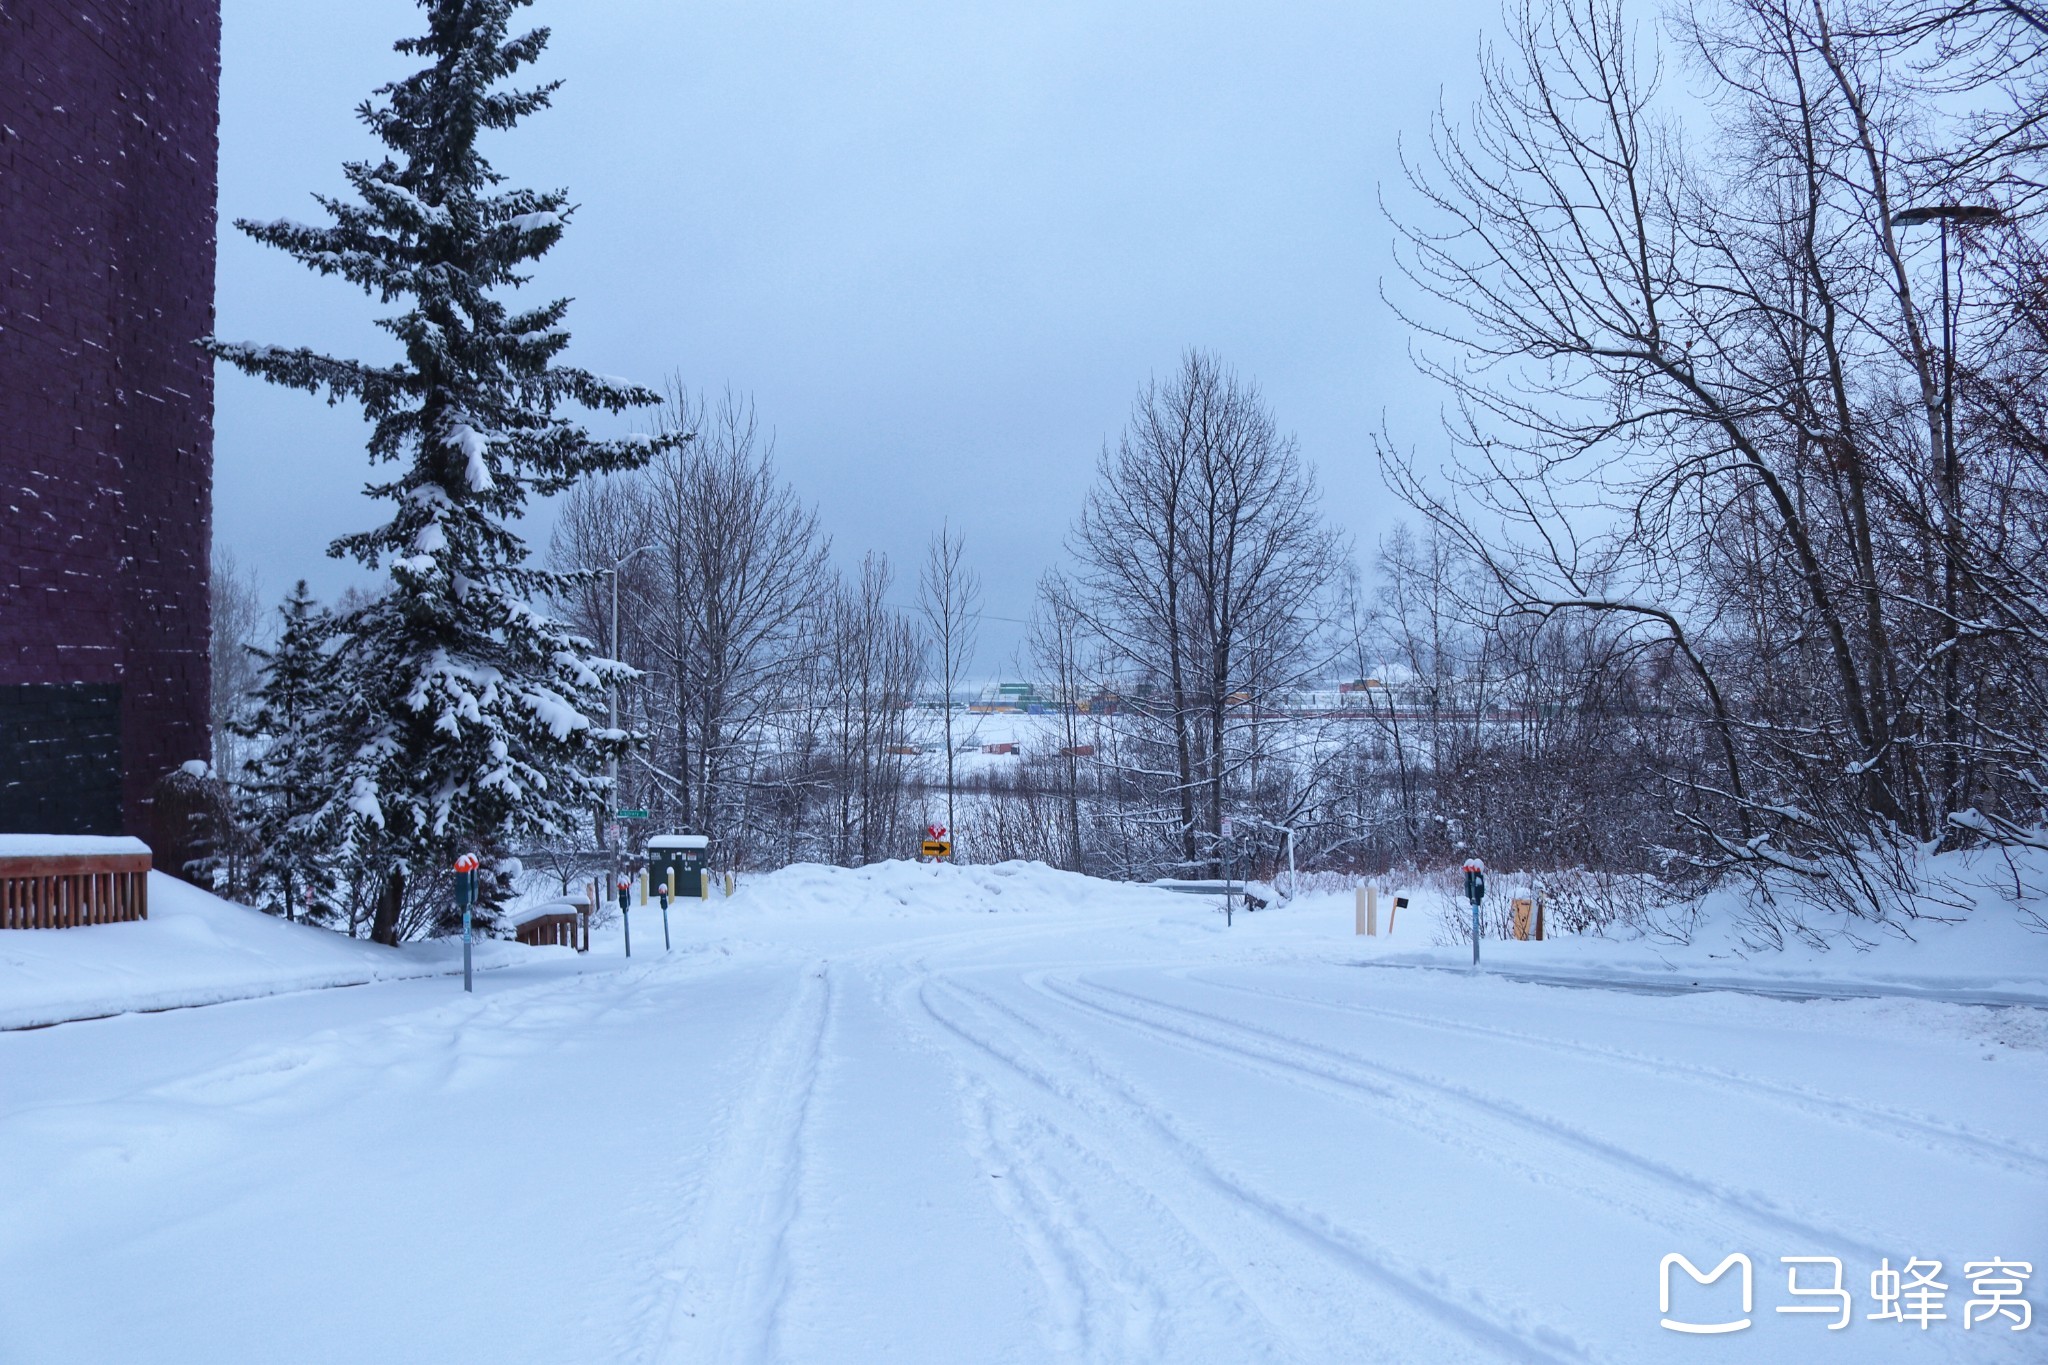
[
  {"x": 563, "y": 925},
  {"x": 64, "y": 890}
]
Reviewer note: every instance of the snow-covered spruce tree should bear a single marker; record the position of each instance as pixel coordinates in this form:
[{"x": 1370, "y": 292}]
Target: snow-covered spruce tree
[
  {"x": 285, "y": 789},
  {"x": 465, "y": 718}
]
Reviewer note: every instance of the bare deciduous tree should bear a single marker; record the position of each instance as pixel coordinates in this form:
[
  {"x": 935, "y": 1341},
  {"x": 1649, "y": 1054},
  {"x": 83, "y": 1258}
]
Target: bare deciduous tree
[
  {"x": 875, "y": 664},
  {"x": 1202, "y": 566},
  {"x": 238, "y": 619},
  {"x": 1699, "y": 395},
  {"x": 949, "y": 602},
  {"x": 739, "y": 563}
]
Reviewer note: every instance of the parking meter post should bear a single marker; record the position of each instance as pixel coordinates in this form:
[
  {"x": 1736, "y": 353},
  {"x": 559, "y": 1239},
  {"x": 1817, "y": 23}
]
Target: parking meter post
[
  {"x": 465, "y": 897},
  {"x": 1475, "y": 890},
  {"x": 626, "y": 911},
  {"x": 661, "y": 893}
]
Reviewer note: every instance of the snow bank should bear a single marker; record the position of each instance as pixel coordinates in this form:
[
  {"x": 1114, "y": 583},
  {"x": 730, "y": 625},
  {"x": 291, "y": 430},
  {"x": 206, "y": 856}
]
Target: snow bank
[
  {"x": 907, "y": 888},
  {"x": 197, "y": 949},
  {"x": 1994, "y": 954},
  {"x": 1980, "y": 938}
]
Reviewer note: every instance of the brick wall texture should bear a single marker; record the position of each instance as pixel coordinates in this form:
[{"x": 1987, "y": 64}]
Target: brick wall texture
[{"x": 109, "y": 121}]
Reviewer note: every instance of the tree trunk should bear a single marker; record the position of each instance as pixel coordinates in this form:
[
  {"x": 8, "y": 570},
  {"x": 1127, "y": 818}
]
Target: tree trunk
[{"x": 384, "y": 928}]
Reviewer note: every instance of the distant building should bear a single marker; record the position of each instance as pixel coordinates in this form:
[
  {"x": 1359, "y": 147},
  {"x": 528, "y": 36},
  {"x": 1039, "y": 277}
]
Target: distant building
[
  {"x": 109, "y": 117},
  {"x": 1016, "y": 698}
]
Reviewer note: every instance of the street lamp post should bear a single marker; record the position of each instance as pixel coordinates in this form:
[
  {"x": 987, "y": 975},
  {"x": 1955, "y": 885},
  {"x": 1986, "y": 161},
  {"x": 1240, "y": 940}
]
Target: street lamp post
[
  {"x": 1951, "y": 466},
  {"x": 610, "y": 863}
]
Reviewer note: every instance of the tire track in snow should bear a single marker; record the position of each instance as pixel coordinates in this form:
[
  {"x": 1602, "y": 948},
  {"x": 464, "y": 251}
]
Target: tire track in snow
[
  {"x": 1105, "y": 1300},
  {"x": 1421, "y": 1317},
  {"x": 1932, "y": 1134},
  {"x": 1664, "y": 1195},
  {"x": 1100, "y": 1207},
  {"x": 732, "y": 1271},
  {"x": 1029, "y": 1203},
  {"x": 1105, "y": 1303}
]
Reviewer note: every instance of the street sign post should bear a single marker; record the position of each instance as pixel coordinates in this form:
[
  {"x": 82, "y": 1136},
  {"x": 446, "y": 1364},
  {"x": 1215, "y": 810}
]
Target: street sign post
[
  {"x": 465, "y": 897},
  {"x": 936, "y": 844},
  {"x": 632, "y": 815}
]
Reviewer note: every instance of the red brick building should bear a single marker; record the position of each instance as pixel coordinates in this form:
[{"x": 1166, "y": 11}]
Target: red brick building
[{"x": 109, "y": 118}]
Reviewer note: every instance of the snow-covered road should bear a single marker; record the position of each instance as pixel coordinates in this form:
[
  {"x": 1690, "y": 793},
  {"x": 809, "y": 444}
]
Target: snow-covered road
[{"x": 941, "y": 1115}]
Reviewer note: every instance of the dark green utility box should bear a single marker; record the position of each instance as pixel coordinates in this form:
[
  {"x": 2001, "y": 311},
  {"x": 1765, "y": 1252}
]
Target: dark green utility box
[{"x": 686, "y": 855}]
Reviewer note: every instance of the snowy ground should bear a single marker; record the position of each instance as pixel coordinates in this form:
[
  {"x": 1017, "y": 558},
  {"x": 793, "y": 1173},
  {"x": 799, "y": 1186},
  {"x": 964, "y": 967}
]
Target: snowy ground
[
  {"x": 195, "y": 950},
  {"x": 988, "y": 1114}
]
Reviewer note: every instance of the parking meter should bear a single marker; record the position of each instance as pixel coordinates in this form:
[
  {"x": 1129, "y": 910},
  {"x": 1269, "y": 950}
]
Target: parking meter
[
  {"x": 465, "y": 900},
  {"x": 1475, "y": 891},
  {"x": 626, "y": 910}
]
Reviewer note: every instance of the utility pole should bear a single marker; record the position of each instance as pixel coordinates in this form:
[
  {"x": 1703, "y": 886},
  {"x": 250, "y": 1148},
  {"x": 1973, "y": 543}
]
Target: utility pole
[{"x": 611, "y": 865}]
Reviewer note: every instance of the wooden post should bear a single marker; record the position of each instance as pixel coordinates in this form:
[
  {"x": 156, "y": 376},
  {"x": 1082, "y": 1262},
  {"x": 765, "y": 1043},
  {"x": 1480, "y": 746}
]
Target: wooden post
[
  {"x": 1358, "y": 911},
  {"x": 1372, "y": 910}
]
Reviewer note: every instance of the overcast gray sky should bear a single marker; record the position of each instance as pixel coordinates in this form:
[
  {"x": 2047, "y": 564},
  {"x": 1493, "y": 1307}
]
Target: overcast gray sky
[{"x": 942, "y": 244}]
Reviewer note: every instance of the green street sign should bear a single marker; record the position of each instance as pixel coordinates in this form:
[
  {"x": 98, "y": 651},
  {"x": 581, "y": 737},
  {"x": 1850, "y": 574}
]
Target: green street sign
[{"x": 632, "y": 815}]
